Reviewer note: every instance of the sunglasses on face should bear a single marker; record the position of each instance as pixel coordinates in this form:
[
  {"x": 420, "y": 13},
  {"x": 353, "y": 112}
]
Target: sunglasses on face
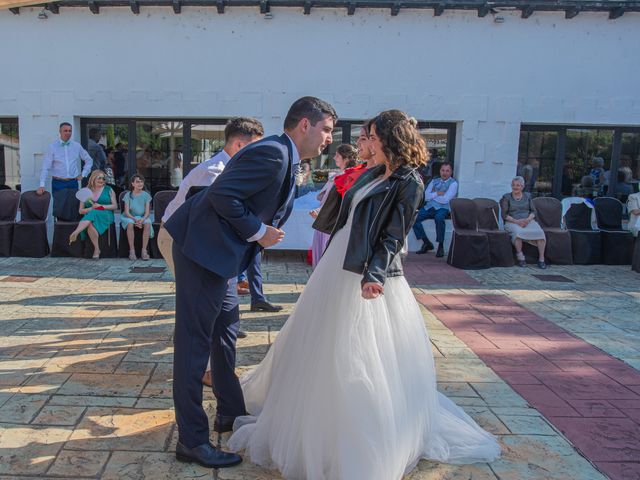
[{"x": 99, "y": 178}]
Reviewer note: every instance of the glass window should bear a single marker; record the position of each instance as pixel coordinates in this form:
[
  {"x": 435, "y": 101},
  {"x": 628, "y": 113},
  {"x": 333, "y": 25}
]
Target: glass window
[
  {"x": 536, "y": 162},
  {"x": 9, "y": 153},
  {"x": 314, "y": 172},
  {"x": 159, "y": 154},
  {"x": 587, "y": 161},
  {"x": 438, "y": 136},
  {"x": 108, "y": 146},
  {"x": 206, "y": 141},
  {"x": 628, "y": 178},
  {"x": 437, "y": 140}
]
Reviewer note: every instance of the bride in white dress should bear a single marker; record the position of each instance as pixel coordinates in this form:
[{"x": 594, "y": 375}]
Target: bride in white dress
[{"x": 348, "y": 389}]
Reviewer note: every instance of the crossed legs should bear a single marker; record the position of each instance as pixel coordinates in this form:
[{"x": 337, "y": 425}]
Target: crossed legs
[{"x": 91, "y": 232}]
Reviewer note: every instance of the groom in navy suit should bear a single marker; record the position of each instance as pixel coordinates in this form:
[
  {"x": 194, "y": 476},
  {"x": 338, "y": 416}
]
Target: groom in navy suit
[{"x": 215, "y": 235}]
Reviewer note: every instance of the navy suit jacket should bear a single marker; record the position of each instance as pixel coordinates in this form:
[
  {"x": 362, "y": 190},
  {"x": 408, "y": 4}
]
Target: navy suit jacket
[{"x": 212, "y": 227}]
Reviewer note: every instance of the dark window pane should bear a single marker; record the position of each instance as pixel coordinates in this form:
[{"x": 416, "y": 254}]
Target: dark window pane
[
  {"x": 206, "y": 141},
  {"x": 110, "y": 140},
  {"x": 315, "y": 172},
  {"x": 159, "y": 154},
  {"x": 536, "y": 162},
  {"x": 437, "y": 140},
  {"x": 587, "y": 161},
  {"x": 629, "y": 166},
  {"x": 9, "y": 153}
]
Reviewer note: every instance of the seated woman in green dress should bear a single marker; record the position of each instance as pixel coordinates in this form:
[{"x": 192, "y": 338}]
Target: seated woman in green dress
[
  {"x": 97, "y": 211},
  {"x": 136, "y": 214}
]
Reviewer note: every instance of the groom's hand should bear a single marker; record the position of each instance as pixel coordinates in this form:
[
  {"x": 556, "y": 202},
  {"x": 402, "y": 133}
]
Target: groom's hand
[
  {"x": 372, "y": 290},
  {"x": 272, "y": 236}
]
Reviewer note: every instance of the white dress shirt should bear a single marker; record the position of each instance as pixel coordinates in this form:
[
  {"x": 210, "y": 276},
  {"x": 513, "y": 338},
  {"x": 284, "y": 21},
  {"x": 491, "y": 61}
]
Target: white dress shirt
[
  {"x": 201, "y": 176},
  {"x": 63, "y": 160},
  {"x": 295, "y": 162}
]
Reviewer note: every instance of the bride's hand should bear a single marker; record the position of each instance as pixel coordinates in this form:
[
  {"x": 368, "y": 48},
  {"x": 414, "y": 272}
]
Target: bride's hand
[{"x": 372, "y": 290}]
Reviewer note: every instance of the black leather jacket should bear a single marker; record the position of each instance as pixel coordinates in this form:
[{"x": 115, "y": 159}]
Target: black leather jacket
[{"x": 381, "y": 222}]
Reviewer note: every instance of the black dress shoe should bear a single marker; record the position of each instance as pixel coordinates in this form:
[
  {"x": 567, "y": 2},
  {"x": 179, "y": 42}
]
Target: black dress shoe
[
  {"x": 223, "y": 424},
  {"x": 241, "y": 334},
  {"x": 440, "y": 252},
  {"x": 265, "y": 307},
  {"x": 426, "y": 246},
  {"x": 207, "y": 456}
]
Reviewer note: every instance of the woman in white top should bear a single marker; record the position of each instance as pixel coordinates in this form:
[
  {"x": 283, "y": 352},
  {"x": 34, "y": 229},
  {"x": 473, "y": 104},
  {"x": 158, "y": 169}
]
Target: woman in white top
[{"x": 633, "y": 206}]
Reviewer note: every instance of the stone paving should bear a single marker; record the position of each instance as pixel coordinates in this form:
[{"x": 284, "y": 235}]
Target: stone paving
[{"x": 85, "y": 365}]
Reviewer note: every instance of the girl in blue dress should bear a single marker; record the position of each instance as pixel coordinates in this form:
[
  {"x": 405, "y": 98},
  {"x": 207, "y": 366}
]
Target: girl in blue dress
[{"x": 136, "y": 214}]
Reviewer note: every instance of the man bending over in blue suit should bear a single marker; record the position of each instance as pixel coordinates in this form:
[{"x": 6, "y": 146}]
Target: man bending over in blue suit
[{"x": 215, "y": 235}]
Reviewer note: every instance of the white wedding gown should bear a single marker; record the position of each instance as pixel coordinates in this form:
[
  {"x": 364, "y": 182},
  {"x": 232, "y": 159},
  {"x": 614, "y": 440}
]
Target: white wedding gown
[{"x": 348, "y": 389}]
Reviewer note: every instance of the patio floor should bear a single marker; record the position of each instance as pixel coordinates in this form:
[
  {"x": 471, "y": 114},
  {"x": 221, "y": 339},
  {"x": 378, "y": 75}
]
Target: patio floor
[{"x": 550, "y": 366}]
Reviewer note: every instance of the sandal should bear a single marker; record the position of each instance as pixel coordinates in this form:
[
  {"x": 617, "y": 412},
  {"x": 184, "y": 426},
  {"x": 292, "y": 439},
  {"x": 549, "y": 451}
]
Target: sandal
[
  {"x": 144, "y": 255},
  {"x": 132, "y": 255},
  {"x": 96, "y": 255},
  {"x": 72, "y": 238}
]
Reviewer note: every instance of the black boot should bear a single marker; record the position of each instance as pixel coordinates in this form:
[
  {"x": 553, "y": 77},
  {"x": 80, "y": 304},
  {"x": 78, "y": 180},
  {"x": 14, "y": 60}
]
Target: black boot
[
  {"x": 426, "y": 246},
  {"x": 440, "y": 252}
]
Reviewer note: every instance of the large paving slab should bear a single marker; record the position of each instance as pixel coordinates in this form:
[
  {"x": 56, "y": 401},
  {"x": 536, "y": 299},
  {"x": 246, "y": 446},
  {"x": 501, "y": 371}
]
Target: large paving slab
[{"x": 86, "y": 367}]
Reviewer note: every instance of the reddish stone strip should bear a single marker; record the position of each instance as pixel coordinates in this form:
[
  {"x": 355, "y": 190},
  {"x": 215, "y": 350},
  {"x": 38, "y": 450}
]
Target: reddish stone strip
[
  {"x": 590, "y": 396},
  {"x": 428, "y": 270}
]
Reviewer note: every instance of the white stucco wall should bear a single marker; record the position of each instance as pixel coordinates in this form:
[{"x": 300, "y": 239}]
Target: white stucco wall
[{"x": 485, "y": 76}]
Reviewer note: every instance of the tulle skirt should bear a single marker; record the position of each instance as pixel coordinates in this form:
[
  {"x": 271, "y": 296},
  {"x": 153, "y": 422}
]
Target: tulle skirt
[{"x": 348, "y": 389}]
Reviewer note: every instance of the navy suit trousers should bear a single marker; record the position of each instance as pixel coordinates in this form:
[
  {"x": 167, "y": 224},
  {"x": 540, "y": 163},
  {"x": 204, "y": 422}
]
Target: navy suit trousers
[
  {"x": 206, "y": 325},
  {"x": 254, "y": 277}
]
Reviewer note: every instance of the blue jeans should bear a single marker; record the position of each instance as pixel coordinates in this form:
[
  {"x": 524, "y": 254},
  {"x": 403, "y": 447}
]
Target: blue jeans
[{"x": 438, "y": 216}]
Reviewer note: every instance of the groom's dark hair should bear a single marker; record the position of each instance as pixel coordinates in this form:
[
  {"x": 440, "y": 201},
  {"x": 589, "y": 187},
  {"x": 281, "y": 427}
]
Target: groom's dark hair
[{"x": 311, "y": 108}]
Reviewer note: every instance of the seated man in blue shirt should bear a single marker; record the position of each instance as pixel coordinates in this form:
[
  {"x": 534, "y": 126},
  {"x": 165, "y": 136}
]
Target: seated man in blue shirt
[{"x": 437, "y": 196}]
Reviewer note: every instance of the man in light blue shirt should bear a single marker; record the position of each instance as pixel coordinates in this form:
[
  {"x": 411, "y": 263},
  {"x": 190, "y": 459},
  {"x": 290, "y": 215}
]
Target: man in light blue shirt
[
  {"x": 437, "y": 196},
  {"x": 63, "y": 162}
]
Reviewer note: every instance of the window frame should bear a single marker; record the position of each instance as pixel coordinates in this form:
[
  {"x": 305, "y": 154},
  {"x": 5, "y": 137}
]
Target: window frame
[
  {"x": 3, "y": 173},
  {"x": 451, "y": 128},
  {"x": 561, "y": 130}
]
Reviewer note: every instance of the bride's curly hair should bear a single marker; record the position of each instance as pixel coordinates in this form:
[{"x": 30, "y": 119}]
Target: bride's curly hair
[{"x": 401, "y": 141}]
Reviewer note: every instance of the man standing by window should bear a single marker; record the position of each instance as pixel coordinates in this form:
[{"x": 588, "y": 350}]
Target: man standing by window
[
  {"x": 437, "y": 196},
  {"x": 63, "y": 162}
]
